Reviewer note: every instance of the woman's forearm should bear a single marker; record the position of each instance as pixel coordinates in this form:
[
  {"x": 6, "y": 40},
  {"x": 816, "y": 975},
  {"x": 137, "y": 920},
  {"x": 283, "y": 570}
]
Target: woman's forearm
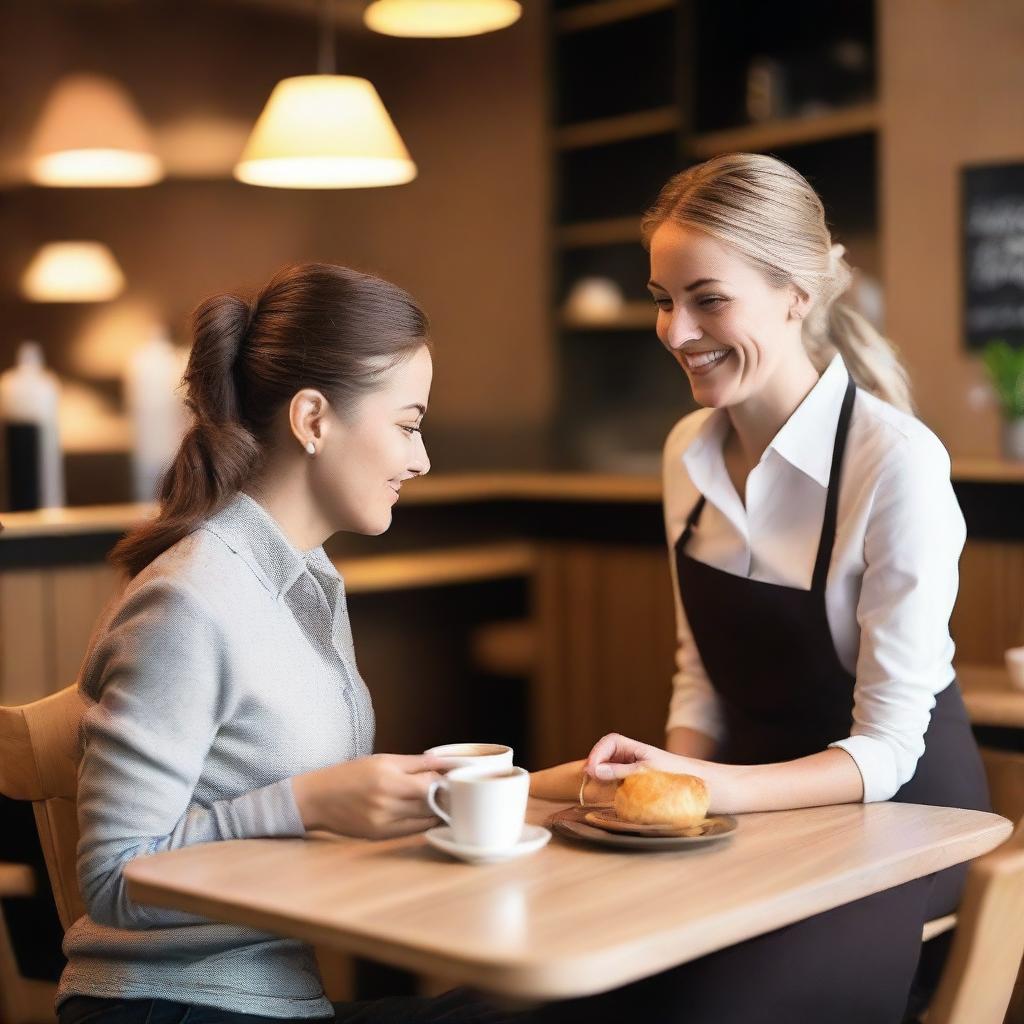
[
  {"x": 830, "y": 777},
  {"x": 561, "y": 783}
]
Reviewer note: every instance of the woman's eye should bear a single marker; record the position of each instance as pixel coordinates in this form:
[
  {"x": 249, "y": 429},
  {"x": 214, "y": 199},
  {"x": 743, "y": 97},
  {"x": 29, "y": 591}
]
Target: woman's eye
[
  {"x": 663, "y": 303},
  {"x": 410, "y": 430},
  {"x": 711, "y": 301}
]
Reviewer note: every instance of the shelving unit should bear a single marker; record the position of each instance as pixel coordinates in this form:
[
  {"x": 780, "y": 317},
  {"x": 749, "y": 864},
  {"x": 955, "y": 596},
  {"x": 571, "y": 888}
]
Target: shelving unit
[
  {"x": 783, "y": 133},
  {"x": 618, "y": 129},
  {"x": 641, "y": 90}
]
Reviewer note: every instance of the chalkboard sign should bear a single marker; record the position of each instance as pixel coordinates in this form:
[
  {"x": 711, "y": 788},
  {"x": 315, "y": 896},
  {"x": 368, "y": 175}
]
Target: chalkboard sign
[{"x": 993, "y": 230}]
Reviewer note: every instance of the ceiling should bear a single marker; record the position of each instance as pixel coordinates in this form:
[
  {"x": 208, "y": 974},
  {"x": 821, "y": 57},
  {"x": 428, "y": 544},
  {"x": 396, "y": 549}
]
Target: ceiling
[{"x": 347, "y": 13}]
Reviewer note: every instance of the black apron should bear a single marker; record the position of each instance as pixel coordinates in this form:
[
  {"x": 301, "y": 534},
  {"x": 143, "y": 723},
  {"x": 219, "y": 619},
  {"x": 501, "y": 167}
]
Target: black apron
[{"x": 784, "y": 694}]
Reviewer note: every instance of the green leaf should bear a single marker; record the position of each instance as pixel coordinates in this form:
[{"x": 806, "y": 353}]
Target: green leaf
[{"x": 1005, "y": 367}]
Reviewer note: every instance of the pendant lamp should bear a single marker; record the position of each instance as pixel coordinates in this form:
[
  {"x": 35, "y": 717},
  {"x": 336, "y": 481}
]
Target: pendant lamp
[
  {"x": 72, "y": 272},
  {"x": 90, "y": 134},
  {"x": 325, "y": 131},
  {"x": 440, "y": 18}
]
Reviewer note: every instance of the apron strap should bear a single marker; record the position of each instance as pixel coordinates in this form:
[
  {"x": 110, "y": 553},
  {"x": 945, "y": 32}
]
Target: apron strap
[
  {"x": 828, "y": 527},
  {"x": 691, "y": 522}
]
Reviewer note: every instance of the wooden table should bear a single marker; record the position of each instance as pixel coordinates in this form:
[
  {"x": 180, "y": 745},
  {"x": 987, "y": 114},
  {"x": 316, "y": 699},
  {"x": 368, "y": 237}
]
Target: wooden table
[
  {"x": 990, "y": 697},
  {"x": 572, "y": 919}
]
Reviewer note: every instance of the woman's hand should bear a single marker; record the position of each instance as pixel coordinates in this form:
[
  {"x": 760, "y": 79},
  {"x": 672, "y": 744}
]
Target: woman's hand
[
  {"x": 375, "y": 797},
  {"x": 615, "y": 756}
]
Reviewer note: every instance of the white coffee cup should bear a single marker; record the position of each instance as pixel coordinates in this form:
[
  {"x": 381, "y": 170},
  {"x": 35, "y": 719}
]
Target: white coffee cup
[
  {"x": 486, "y": 806},
  {"x": 473, "y": 755}
]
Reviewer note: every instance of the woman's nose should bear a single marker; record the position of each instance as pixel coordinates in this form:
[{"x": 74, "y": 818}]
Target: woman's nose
[
  {"x": 420, "y": 464},
  {"x": 682, "y": 328}
]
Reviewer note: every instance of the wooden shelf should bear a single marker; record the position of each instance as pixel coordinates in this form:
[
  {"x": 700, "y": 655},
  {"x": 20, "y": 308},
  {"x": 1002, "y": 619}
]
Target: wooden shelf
[
  {"x": 599, "y": 232},
  {"x": 659, "y": 121},
  {"x": 976, "y": 469},
  {"x": 990, "y": 697},
  {"x": 633, "y": 316},
  {"x": 16, "y": 880},
  {"x": 865, "y": 117},
  {"x": 607, "y": 12}
]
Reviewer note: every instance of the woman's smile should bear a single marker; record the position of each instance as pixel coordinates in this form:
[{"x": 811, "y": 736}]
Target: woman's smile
[{"x": 701, "y": 363}]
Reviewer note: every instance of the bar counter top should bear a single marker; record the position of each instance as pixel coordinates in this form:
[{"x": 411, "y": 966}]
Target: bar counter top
[{"x": 456, "y": 488}]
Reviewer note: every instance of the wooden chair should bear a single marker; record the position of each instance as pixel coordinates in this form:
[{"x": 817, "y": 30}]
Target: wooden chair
[
  {"x": 39, "y": 754},
  {"x": 978, "y": 982}
]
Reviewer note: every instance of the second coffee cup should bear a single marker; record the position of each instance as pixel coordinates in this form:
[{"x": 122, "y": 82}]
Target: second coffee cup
[
  {"x": 486, "y": 806},
  {"x": 473, "y": 755}
]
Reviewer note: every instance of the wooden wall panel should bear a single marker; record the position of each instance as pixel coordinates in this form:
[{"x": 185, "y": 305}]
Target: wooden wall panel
[
  {"x": 80, "y": 593},
  {"x": 46, "y": 619},
  {"x": 25, "y": 652},
  {"x": 605, "y": 642},
  {"x": 989, "y": 612},
  {"x": 952, "y": 82}
]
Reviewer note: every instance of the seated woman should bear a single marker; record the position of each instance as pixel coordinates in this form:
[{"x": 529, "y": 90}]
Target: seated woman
[
  {"x": 227, "y": 700},
  {"x": 813, "y": 537}
]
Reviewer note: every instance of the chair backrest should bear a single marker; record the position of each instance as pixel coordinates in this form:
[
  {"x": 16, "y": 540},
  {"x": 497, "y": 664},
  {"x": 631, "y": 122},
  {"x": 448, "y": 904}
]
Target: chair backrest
[
  {"x": 988, "y": 945},
  {"x": 40, "y": 748}
]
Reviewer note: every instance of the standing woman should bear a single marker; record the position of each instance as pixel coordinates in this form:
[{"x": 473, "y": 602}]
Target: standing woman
[
  {"x": 814, "y": 540},
  {"x": 227, "y": 703}
]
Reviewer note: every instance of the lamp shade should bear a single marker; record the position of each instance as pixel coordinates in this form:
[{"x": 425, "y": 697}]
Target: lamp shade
[
  {"x": 91, "y": 135},
  {"x": 72, "y": 272},
  {"x": 440, "y": 18},
  {"x": 325, "y": 131}
]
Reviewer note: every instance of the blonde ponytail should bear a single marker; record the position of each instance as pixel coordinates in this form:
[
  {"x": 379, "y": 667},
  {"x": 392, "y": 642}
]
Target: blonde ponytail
[
  {"x": 769, "y": 213},
  {"x": 834, "y": 326}
]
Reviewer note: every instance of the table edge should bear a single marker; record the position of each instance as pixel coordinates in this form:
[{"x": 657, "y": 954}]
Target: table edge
[{"x": 584, "y": 974}]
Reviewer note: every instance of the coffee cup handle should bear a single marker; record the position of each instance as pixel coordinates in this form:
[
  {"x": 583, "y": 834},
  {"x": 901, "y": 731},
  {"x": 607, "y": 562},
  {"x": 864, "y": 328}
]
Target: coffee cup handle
[{"x": 432, "y": 800}]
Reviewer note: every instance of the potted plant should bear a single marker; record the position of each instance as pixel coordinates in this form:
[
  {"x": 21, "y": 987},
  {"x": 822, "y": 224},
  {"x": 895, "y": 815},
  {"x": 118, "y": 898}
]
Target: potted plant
[{"x": 1005, "y": 366}]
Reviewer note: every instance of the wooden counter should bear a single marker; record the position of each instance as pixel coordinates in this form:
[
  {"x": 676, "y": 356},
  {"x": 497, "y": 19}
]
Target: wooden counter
[
  {"x": 586, "y": 550},
  {"x": 460, "y": 488}
]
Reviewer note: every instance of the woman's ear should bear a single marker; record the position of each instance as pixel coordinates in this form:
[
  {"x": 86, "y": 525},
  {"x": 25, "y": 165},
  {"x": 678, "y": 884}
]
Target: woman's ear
[
  {"x": 799, "y": 303},
  {"x": 307, "y": 417}
]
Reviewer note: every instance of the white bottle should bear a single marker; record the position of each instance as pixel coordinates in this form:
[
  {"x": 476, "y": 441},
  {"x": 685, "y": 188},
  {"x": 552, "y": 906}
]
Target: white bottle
[
  {"x": 158, "y": 413},
  {"x": 29, "y": 402}
]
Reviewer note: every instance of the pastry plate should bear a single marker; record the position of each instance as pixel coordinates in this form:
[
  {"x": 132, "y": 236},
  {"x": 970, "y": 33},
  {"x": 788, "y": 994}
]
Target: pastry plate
[
  {"x": 571, "y": 824},
  {"x": 709, "y": 828}
]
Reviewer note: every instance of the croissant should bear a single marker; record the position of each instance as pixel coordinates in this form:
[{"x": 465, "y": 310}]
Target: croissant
[{"x": 650, "y": 797}]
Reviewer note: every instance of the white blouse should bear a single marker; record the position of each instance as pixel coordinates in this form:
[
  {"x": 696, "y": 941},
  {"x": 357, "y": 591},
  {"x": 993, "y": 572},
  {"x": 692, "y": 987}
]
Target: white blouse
[{"x": 892, "y": 581}]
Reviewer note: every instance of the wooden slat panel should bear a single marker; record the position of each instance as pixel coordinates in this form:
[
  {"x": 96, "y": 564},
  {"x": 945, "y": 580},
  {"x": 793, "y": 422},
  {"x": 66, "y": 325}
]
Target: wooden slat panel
[
  {"x": 26, "y": 669},
  {"x": 80, "y": 594},
  {"x": 989, "y": 612},
  {"x": 605, "y": 640}
]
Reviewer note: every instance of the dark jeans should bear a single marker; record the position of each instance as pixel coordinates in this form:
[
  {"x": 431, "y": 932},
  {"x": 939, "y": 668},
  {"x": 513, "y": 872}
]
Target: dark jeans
[{"x": 459, "y": 1006}]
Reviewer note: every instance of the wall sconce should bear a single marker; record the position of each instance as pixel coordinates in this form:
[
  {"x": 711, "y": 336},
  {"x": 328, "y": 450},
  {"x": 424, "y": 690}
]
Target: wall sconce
[
  {"x": 91, "y": 135},
  {"x": 72, "y": 272}
]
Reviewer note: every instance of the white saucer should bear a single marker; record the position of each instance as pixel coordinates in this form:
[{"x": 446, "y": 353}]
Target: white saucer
[{"x": 532, "y": 839}]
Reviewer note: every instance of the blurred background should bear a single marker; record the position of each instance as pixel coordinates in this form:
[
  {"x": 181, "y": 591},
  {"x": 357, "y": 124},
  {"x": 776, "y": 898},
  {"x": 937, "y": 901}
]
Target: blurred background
[
  {"x": 522, "y": 595},
  {"x": 536, "y": 147}
]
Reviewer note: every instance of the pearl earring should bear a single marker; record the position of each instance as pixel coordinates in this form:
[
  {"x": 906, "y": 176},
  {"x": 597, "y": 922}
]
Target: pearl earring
[{"x": 311, "y": 448}]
